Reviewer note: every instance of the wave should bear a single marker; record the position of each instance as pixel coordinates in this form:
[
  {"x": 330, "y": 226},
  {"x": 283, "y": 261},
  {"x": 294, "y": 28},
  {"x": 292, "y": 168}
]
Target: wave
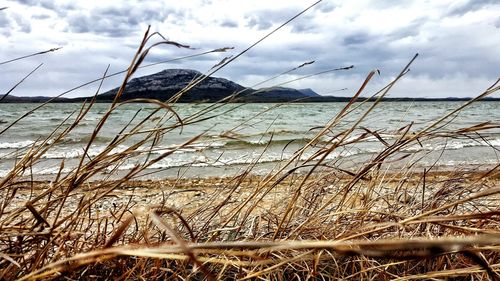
[
  {"x": 67, "y": 141},
  {"x": 85, "y": 139},
  {"x": 19, "y": 144},
  {"x": 224, "y": 160},
  {"x": 40, "y": 171},
  {"x": 234, "y": 151},
  {"x": 453, "y": 145},
  {"x": 62, "y": 153},
  {"x": 232, "y": 144},
  {"x": 197, "y": 160},
  {"x": 280, "y": 132},
  {"x": 248, "y": 143}
]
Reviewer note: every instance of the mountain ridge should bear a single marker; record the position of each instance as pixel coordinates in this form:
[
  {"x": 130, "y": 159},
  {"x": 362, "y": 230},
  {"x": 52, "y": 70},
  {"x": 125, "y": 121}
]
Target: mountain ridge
[{"x": 165, "y": 84}]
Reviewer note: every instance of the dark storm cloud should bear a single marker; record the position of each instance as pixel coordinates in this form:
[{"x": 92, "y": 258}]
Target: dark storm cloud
[
  {"x": 470, "y": 6},
  {"x": 115, "y": 21}
]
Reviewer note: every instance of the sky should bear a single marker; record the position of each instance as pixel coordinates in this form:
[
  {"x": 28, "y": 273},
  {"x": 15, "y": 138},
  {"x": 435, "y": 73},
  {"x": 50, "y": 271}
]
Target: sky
[{"x": 458, "y": 43}]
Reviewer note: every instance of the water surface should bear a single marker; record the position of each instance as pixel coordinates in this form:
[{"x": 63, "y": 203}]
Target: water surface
[{"x": 238, "y": 134}]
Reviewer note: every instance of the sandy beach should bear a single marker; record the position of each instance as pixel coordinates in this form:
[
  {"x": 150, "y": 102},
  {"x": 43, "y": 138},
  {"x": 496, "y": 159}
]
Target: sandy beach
[
  {"x": 450, "y": 205},
  {"x": 188, "y": 196}
]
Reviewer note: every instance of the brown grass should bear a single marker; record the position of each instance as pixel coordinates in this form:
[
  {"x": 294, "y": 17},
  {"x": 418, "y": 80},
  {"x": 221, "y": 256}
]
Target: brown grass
[{"x": 305, "y": 219}]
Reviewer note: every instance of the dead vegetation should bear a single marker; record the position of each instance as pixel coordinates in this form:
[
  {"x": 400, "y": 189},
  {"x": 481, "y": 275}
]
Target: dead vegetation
[{"x": 305, "y": 219}]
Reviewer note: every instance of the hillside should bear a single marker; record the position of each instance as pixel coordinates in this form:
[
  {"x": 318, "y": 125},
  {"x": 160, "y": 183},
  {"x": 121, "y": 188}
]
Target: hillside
[
  {"x": 163, "y": 85},
  {"x": 38, "y": 99}
]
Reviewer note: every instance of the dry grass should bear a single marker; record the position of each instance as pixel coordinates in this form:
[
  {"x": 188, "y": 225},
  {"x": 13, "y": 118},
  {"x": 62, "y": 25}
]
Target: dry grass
[{"x": 304, "y": 220}]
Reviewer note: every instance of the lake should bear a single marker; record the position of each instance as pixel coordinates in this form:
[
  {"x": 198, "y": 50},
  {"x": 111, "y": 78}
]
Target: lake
[{"x": 234, "y": 135}]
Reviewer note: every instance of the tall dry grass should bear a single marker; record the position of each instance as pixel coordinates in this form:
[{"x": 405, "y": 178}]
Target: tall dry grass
[{"x": 307, "y": 219}]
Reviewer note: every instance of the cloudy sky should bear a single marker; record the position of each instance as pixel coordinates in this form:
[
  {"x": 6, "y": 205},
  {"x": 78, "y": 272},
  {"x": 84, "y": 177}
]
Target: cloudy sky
[{"x": 458, "y": 42}]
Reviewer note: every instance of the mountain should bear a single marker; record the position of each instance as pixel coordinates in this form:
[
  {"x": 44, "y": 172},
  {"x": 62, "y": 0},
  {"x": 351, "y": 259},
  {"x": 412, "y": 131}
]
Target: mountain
[
  {"x": 38, "y": 99},
  {"x": 274, "y": 94},
  {"x": 309, "y": 92},
  {"x": 163, "y": 85}
]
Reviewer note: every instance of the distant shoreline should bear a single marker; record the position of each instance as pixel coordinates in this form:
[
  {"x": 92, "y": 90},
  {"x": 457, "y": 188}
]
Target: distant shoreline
[{"x": 167, "y": 84}]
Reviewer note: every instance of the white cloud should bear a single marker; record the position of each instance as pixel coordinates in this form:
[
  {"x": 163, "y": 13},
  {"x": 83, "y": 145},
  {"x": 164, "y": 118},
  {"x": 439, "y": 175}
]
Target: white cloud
[{"x": 457, "y": 41}]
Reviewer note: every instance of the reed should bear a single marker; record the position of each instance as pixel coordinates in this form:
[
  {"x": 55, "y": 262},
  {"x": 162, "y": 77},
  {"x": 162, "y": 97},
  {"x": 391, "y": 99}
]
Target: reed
[{"x": 304, "y": 219}]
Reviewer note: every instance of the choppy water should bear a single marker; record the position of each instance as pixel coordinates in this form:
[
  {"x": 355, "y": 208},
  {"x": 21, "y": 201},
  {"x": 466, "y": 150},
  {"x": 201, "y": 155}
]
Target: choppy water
[{"x": 241, "y": 133}]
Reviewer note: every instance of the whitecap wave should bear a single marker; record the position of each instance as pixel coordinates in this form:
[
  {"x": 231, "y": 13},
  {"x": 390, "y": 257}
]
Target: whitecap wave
[{"x": 19, "y": 144}]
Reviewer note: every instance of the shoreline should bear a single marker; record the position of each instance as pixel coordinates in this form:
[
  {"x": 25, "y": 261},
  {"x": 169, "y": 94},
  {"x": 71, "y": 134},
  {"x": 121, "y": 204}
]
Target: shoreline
[
  {"x": 320, "y": 99},
  {"x": 182, "y": 193},
  {"x": 230, "y": 171}
]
